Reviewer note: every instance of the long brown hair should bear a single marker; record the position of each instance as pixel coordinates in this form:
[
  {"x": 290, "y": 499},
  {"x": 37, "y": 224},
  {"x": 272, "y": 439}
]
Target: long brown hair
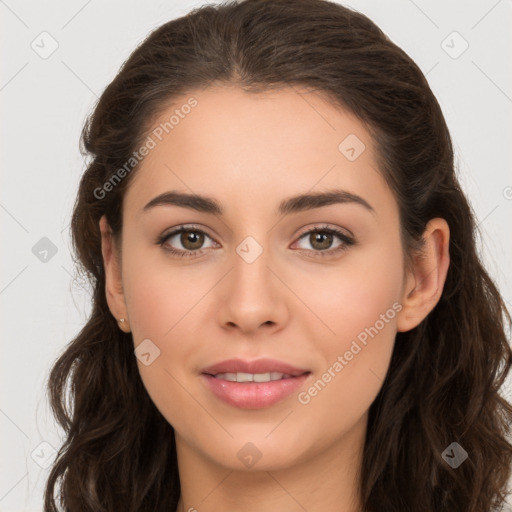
[{"x": 445, "y": 375}]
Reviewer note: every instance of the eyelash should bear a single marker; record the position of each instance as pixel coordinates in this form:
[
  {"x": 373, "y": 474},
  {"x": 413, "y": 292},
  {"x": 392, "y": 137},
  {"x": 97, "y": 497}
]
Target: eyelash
[{"x": 347, "y": 241}]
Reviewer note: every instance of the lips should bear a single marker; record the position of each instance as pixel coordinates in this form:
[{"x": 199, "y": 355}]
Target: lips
[
  {"x": 254, "y": 367},
  {"x": 253, "y": 384}
]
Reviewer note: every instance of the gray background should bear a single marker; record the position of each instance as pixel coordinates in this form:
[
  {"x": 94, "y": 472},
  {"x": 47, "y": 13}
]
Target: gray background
[{"x": 44, "y": 101}]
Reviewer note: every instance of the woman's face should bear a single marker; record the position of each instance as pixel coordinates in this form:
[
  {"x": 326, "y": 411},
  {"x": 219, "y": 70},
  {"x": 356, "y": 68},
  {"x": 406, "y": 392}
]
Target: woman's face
[{"x": 261, "y": 277}]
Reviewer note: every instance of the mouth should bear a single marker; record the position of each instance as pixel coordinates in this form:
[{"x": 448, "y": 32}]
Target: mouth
[
  {"x": 252, "y": 377},
  {"x": 253, "y": 384}
]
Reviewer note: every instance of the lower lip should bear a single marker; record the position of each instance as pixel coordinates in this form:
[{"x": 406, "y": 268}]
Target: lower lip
[{"x": 253, "y": 395}]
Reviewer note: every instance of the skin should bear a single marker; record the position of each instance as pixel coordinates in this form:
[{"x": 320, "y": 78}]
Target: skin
[{"x": 250, "y": 152}]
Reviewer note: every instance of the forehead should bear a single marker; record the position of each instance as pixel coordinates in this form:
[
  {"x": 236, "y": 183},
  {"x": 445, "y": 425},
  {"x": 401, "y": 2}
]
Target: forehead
[{"x": 247, "y": 148}]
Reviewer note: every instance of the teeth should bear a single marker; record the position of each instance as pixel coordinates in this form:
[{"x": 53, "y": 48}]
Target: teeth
[{"x": 252, "y": 377}]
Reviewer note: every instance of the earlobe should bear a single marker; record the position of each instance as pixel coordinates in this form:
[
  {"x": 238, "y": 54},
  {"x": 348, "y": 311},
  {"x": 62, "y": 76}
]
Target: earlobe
[
  {"x": 113, "y": 281},
  {"x": 425, "y": 282}
]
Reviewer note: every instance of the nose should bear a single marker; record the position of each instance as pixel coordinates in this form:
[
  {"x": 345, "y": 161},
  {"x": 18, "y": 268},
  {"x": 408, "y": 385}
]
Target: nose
[{"x": 252, "y": 296}]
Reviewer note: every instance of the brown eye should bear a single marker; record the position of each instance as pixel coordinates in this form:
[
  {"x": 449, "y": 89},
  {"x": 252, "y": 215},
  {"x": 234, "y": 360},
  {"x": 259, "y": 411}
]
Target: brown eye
[
  {"x": 192, "y": 240},
  {"x": 320, "y": 240},
  {"x": 325, "y": 241},
  {"x": 185, "y": 241}
]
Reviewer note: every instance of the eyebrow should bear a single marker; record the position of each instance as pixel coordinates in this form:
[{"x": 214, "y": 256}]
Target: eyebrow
[{"x": 294, "y": 204}]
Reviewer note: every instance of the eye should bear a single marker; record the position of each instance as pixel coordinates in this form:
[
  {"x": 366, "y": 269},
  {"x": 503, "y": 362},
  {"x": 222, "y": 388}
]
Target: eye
[
  {"x": 190, "y": 238},
  {"x": 321, "y": 239}
]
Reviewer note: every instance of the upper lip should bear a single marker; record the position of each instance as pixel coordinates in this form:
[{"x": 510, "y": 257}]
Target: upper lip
[{"x": 256, "y": 366}]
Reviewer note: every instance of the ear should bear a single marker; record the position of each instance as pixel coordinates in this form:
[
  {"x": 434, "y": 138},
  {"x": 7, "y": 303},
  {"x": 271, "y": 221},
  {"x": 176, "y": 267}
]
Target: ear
[
  {"x": 425, "y": 281},
  {"x": 113, "y": 281}
]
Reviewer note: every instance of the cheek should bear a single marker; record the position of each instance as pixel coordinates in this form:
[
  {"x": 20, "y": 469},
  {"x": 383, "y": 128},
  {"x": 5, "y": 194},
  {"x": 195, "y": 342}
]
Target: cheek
[
  {"x": 361, "y": 292},
  {"x": 158, "y": 295},
  {"x": 359, "y": 303},
  {"x": 164, "y": 306}
]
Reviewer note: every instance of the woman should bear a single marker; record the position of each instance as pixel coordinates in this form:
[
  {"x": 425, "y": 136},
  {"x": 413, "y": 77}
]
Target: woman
[{"x": 289, "y": 312}]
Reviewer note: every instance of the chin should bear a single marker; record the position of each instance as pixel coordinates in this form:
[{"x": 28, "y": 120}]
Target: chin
[{"x": 254, "y": 452}]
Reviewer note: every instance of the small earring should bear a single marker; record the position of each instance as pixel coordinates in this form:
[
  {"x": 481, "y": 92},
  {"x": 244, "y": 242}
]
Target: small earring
[{"x": 122, "y": 324}]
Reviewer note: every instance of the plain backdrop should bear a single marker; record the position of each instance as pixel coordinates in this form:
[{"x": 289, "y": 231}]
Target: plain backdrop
[{"x": 58, "y": 56}]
